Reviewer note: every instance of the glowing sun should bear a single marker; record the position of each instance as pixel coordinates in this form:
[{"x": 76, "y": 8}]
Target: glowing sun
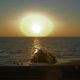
[
  {"x": 36, "y": 28},
  {"x": 36, "y": 25}
]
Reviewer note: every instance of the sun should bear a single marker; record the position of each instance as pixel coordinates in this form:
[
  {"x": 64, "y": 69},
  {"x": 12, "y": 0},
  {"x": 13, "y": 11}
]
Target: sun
[
  {"x": 36, "y": 28},
  {"x": 34, "y": 25}
]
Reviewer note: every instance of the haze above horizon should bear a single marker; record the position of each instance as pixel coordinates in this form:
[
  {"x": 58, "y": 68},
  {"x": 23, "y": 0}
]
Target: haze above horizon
[{"x": 65, "y": 14}]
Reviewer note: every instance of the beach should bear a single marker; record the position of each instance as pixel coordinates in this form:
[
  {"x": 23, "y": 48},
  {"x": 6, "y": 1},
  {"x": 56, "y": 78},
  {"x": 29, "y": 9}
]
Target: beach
[
  {"x": 41, "y": 72},
  {"x": 16, "y": 52}
]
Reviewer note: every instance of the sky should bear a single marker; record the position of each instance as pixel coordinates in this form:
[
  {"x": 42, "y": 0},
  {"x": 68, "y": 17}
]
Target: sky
[{"x": 65, "y": 14}]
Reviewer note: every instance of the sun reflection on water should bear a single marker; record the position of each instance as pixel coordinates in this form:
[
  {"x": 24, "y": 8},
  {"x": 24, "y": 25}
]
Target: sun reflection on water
[
  {"x": 36, "y": 44},
  {"x": 35, "y": 47}
]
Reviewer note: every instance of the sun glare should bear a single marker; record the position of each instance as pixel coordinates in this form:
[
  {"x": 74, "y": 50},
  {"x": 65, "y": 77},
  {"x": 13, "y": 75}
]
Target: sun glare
[
  {"x": 34, "y": 25},
  {"x": 36, "y": 28}
]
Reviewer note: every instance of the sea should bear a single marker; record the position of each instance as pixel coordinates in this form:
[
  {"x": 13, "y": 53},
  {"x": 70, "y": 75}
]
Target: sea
[{"x": 17, "y": 51}]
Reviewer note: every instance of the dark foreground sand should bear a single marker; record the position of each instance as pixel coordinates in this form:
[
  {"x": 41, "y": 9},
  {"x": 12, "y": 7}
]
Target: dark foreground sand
[{"x": 69, "y": 71}]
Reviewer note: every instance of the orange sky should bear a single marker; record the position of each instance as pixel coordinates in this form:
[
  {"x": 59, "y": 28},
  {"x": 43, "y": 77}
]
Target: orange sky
[{"x": 64, "y": 13}]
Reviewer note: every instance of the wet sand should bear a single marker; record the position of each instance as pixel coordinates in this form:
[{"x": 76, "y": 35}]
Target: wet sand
[{"x": 69, "y": 71}]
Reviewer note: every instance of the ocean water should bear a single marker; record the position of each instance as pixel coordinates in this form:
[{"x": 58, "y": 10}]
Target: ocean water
[{"x": 17, "y": 51}]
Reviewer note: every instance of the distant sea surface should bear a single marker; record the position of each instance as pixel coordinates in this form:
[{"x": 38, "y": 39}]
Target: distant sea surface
[{"x": 17, "y": 51}]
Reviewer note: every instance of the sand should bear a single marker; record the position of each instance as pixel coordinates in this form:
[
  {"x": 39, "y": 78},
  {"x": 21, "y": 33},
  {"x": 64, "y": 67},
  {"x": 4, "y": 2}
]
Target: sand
[{"x": 68, "y": 71}]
